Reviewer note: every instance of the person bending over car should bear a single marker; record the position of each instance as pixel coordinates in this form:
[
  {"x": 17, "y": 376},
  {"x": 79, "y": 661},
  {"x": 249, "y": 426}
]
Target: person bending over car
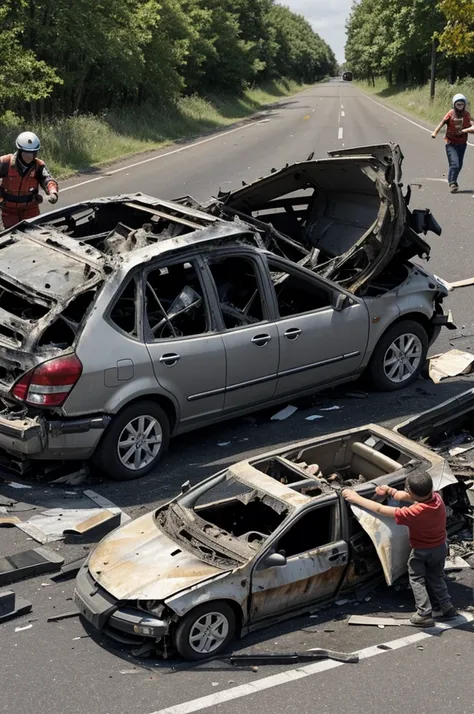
[
  {"x": 22, "y": 174},
  {"x": 426, "y": 522}
]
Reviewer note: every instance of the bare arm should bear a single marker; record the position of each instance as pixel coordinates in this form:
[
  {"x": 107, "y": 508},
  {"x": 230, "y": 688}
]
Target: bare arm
[
  {"x": 353, "y": 497},
  {"x": 393, "y": 493},
  {"x": 438, "y": 129}
]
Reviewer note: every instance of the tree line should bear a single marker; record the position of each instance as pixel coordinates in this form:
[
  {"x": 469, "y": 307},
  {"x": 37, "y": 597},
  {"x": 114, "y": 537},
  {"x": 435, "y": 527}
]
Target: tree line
[
  {"x": 67, "y": 56},
  {"x": 396, "y": 38}
]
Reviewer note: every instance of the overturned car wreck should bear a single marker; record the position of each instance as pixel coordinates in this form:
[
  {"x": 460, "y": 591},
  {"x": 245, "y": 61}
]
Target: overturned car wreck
[
  {"x": 129, "y": 319},
  {"x": 261, "y": 541}
]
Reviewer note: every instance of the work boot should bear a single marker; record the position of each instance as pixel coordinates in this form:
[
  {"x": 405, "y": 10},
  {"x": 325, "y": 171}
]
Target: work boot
[
  {"x": 422, "y": 620},
  {"x": 449, "y": 614},
  {"x": 453, "y": 187}
]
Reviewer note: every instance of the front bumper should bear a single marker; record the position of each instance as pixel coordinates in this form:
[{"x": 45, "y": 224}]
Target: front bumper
[{"x": 106, "y": 614}]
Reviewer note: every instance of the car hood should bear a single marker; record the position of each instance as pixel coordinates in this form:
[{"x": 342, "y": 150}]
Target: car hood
[
  {"x": 138, "y": 561},
  {"x": 356, "y": 177}
]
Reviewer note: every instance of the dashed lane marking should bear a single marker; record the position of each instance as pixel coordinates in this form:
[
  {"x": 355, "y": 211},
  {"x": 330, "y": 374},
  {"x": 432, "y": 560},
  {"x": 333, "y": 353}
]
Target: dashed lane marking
[{"x": 340, "y": 133}]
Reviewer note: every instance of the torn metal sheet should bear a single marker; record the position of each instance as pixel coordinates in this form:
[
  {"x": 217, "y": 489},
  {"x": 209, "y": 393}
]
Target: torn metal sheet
[
  {"x": 455, "y": 563},
  {"x": 391, "y": 541},
  {"x": 293, "y": 657},
  {"x": 68, "y": 571},
  {"x": 9, "y": 521},
  {"x": 95, "y": 527},
  {"x": 284, "y": 413},
  {"x": 28, "y": 564},
  {"x": 378, "y": 621},
  {"x": 450, "y": 364},
  {"x": 12, "y": 606},
  {"x": 63, "y": 616}
]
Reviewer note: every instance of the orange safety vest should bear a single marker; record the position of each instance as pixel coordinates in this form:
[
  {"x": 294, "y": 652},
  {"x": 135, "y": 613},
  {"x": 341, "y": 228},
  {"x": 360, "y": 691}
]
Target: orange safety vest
[{"x": 20, "y": 194}]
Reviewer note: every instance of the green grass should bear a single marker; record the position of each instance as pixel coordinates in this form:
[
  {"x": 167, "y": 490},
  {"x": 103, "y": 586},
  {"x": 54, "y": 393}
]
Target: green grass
[
  {"x": 416, "y": 100},
  {"x": 72, "y": 144}
]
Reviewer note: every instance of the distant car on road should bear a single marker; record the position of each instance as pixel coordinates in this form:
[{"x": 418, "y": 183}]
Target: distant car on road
[
  {"x": 347, "y": 76},
  {"x": 125, "y": 320}
]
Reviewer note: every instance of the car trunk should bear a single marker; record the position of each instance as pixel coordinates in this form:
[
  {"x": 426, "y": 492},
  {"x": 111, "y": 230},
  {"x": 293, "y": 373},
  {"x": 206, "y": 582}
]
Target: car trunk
[
  {"x": 344, "y": 217},
  {"x": 47, "y": 284}
]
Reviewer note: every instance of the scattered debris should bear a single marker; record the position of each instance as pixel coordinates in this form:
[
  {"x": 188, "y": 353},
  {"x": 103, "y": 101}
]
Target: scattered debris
[
  {"x": 335, "y": 408},
  {"x": 293, "y": 657},
  {"x": 342, "y": 602},
  {"x": 378, "y": 621},
  {"x": 14, "y": 484},
  {"x": 75, "y": 478},
  {"x": 455, "y": 562},
  {"x": 223, "y": 443},
  {"x": 69, "y": 570},
  {"x": 95, "y": 527},
  {"x": 313, "y": 417},
  {"x": 383, "y": 647},
  {"x": 9, "y": 521},
  {"x": 357, "y": 395},
  {"x": 12, "y": 606},
  {"x": 284, "y": 413},
  {"x": 27, "y": 564},
  {"x": 63, "y": 616},
  {"x": 450, "y": 364},
  {"x": 25, "y": 627}
]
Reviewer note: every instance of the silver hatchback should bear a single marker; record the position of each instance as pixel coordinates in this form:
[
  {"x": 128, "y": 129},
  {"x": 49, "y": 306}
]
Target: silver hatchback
[{"x": 129, "y": 319}]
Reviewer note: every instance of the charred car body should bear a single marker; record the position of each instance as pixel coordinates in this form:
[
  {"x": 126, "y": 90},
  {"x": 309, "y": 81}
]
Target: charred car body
[
  {"x": 128, "y": 319},
  {"x": 258, "y": 542}
]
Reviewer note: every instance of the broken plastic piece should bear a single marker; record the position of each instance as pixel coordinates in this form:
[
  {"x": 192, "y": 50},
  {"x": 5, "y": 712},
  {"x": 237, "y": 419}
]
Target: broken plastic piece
[
  {"x": 284, "y": 413},
  {"x": 95, "y": 527},
  {"x": 377, "y": 621},
  {"x": 12, "y": 606},
  {"x": 69, "y": 570},
  {"x": 28, "y": 564},
  {"x": 63, "y": 616},
  {"x": 283, "y": 658},
  {"x": 450, "y": 364}
]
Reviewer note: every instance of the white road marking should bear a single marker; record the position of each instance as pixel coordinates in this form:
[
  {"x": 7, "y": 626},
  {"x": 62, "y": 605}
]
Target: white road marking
[
  {"x": 343, "y": 114},
  {"x": 400, "y": 115},
  {"x": 162, "y": 156},
  {"x": 426, "y": 178},
  {"x": 340, "y": 133},
  {"x": 291, "y": 675}
]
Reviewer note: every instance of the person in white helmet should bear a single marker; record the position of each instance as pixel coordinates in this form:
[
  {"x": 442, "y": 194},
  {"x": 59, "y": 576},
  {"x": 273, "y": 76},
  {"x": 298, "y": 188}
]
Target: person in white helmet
[
  {"x": 22, "y": 174},
  {"x": 456, "y": 121}
]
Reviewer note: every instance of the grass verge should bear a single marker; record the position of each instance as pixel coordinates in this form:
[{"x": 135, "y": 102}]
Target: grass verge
[
  {"x": 71, "y": 144},
  {"x": 416, "y": 100}
]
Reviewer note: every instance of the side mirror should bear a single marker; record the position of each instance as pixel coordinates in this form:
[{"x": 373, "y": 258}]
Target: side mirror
[
  {"x": 274, "y": 560},
  {"x": 339, "y": 301},
  {"x": 185, "y": 486}
]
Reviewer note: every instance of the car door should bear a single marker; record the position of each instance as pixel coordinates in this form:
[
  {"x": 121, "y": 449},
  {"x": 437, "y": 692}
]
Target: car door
[
  {"x": 187, "y": 352},
  {"x": 248, "y": 329},
  {"x": 316, "y": 558},
  {"x": 323, "y": 331}
]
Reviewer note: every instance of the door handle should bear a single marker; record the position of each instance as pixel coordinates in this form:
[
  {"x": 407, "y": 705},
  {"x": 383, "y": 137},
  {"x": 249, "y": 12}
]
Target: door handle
[
  {"x": 169, "y": 359},
  {"x": 336, "y": 556},
  {"x": 261, "y": 340},
  {"x": 293, "y": 333}
]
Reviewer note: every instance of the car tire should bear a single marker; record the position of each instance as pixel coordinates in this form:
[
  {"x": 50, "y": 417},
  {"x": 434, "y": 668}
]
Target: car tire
[
  {"x": 117, "y": 453},
  {"x": 187, "y": 641},
  {"x": 384, "y": 371}
]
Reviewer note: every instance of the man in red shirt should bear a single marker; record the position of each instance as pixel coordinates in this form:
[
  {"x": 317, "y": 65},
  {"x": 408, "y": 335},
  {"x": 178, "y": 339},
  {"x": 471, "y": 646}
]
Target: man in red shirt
[
  {"x": 426, "y": 522},
  {"x": 456, "y": 121}
]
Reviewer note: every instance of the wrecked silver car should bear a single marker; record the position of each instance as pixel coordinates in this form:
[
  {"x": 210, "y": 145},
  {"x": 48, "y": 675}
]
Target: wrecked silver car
[
  {"x": 125, "y": 320},
  {"x": 261, "y": 541}
]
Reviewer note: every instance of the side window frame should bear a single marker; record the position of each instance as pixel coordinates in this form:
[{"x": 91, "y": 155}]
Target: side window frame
[
  {"x": 197, "y": 263},
  {"x": 268, "y": 307},
  {"x": 331, "y": 288},
  {"x": 134, "y": 277}
]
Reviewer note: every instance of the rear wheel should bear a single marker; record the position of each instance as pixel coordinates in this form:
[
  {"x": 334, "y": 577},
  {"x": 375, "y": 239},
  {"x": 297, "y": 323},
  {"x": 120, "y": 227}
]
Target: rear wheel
[
  {"x": 205, "y": 631},
  {"x": 134, "y": 442},
  {"x": 399, "y": 356}
]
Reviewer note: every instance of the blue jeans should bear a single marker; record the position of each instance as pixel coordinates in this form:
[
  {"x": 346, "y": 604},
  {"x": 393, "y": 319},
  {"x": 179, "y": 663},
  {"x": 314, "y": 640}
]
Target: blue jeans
[{"x": 455, "y": 154}]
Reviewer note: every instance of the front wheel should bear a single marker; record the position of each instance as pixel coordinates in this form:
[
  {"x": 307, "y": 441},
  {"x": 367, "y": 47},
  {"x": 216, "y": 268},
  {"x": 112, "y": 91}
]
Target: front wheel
[
  {"x": 399, "y": 356},
  {"x": 134, "y": 442},
  {"x": 205, "y": 631}
]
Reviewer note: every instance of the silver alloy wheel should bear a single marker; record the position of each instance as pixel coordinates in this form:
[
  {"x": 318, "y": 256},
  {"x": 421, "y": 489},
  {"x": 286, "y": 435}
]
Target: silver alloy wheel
[
  {"x": 403, "y": 357},
  {"x": 139, "y": 442},
  {"x": 208, "y": 632}
]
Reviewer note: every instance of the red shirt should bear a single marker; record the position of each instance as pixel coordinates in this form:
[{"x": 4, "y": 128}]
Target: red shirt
[
  {"x": 454, "y": 124},
  {"x": 426, "y": 522}
]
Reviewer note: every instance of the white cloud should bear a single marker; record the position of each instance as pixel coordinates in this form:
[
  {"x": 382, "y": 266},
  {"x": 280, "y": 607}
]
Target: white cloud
[{"x": 328, "y": 18}]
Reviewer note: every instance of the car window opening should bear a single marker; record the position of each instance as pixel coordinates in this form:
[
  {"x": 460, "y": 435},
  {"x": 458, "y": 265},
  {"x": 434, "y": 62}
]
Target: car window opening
[
  {"x": 124, "y": 311},
  {"x": 63, "y": 331},
  {"x": 296, "y": 293},
  {"x": 174, "y": 302},
  {"x": 313, "y": 530},
  {"x": 238, "y": 290}
]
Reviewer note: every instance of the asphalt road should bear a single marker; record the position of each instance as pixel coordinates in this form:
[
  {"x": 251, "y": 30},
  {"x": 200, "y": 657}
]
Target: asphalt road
[{"x": 60, "y": 668}]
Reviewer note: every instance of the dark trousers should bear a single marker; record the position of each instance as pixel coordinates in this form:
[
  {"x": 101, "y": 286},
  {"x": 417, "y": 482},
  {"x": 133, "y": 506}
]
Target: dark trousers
[
  {"x": 455, "y": 154},
  {"x": 426, "y": 573}
]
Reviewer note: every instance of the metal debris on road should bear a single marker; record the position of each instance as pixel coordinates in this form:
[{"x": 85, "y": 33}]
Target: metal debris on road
[
  {"x": 14, "y": 484},
  {"x": 9, "y": 521},
  {"x": 377, "y": 621},
  {"x": 28, "y": 564},
  {"x": 68, "y": 571},
  {"x": 293, "y": 657},
  {"x": 450, "y": 364},
  {"x": 25, "y": 627},
  {"x": 12, "y": 606},
  {"x": 95, "y": 527},
  {"x": 335, "y": 408},
  {"x": 284, "y": 413},
  {"x": 455, "y": 562},
  {"x": 63, "y": 616},
  {"x": 313, "y": 417}
]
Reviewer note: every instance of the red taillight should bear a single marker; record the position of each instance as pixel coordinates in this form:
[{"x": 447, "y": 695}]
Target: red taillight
[{"x": 49, "y": 384}]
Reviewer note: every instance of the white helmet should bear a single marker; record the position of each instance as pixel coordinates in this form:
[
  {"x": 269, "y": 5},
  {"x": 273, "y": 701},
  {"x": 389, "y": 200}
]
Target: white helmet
[
  {"x": 27, "y": 141},
  {"x": 459, "y": 98}
]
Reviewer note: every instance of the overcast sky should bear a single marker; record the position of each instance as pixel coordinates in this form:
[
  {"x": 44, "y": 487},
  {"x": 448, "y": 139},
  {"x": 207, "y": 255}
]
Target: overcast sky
[{"x": 328, "y": 18}]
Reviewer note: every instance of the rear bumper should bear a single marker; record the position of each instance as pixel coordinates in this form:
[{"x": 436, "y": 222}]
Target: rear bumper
[
  {"x": 104, "y": 613},
  {"x": 40, "y": 438}
]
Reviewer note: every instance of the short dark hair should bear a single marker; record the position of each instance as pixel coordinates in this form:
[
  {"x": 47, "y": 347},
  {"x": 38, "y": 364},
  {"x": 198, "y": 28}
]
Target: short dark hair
[{"x": 421, "y": 484}]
